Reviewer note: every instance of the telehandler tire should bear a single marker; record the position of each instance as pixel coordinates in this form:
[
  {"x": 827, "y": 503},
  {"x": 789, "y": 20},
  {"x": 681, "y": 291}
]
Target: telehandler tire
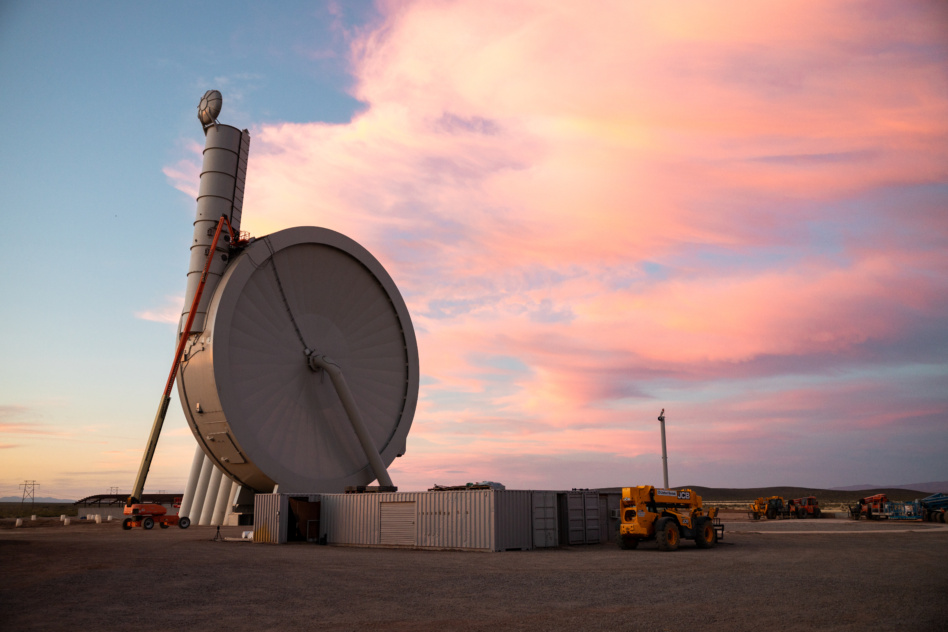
[
  {"x": 667, "y": 534},
  {"x": 771, "y": 513},
  {"x": 705, "y": 535}
]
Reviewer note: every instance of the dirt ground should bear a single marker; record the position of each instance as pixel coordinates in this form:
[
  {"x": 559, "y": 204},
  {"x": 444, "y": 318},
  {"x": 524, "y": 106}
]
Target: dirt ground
[{"x": 786, "y": 575}]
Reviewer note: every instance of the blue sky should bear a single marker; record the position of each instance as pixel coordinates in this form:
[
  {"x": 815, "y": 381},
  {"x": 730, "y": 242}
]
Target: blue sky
[
  {"x": 96, "y": 96},
  {"x": 739, "y": 220}
]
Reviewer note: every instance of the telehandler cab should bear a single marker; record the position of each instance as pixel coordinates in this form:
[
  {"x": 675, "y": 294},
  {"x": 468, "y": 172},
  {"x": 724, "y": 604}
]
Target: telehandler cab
[{"x": 667, "y": 516}]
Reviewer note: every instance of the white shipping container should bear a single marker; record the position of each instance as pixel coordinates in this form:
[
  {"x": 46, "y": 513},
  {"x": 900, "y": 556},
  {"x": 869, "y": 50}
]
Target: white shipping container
[
  {"x": 270, "y": 515},
  {"x": 483, "y": 520}
]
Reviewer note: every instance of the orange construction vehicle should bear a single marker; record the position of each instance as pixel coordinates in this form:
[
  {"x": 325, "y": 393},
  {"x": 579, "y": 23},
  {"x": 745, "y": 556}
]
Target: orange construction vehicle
[
  {"x": 870, "y": 507},
  {"x": 806, "y": 507},
  {"x": 146, "y": 516}
]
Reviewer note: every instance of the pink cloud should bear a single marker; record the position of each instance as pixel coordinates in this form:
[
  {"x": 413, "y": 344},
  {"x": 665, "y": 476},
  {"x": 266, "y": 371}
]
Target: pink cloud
[
  {"x": 522, "y": 171},
  {"x": 169, "y": 313},
  {"x": 185, "y": 174}
]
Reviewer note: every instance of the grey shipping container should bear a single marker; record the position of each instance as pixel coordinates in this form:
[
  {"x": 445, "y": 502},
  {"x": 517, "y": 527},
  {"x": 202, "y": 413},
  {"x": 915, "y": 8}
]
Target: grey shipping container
[
  {"x": 608, "y": 509},
  {"x": 579, "y": 517},
  {"x": 545, "y": 532}
]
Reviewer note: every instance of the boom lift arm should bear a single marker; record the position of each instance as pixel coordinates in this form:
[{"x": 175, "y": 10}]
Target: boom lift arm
[{"x": 139, "y": 486}]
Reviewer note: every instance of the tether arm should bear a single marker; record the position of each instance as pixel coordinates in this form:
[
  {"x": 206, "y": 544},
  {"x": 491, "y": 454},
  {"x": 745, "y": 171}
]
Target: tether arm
[{"x": 317, "y": 362}]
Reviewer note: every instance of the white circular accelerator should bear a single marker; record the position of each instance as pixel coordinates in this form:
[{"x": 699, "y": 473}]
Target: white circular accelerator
[{"x": 261, "y": 413}]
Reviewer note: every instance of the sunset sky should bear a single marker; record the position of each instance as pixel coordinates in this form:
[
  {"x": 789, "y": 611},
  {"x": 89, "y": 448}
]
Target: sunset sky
[{"x": 734, "y": 211}]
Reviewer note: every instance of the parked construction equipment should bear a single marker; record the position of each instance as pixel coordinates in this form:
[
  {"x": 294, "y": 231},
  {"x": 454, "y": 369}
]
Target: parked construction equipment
[
  {"x": 775, "y": 507},
  {"x": 147, "y": 515},
  {"x": 806, "y": 507},
  {"x": 772, "y": 508},
  {"x": 667, "y": 516},
  {"x": 871, "y": 507},
  {"x": 879, "y": 507},
  {"x": 934, "y": 507}
]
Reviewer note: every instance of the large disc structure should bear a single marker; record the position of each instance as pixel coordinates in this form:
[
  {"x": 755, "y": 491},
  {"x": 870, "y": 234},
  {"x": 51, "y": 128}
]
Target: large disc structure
[{"x": 262, "y": 412}]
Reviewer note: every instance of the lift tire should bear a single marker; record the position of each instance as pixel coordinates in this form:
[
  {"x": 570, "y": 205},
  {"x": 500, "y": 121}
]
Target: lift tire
[
  {"x": 162, "y": 525},
  {"x": 148, "y": 523},
  {"x": 667, "y": 534},
  {"x": 705, "y": 535},
  {"x": 628, "y": 543},
  {"x": 817, "y": 513},
  {"x": 127, "y": 524},
  {"x": 184, "y": 523},
  {"x": 756, "y": 516},
  {"x": 801, "y": 513}
]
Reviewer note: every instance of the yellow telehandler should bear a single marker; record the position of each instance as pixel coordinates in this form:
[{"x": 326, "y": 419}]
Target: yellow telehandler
[
  {"x": 772, "y": 508},
  {"x": 667, "y": 516}
]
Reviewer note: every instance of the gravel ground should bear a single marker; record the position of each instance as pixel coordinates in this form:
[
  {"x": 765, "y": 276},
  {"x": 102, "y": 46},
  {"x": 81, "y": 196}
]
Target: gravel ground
[{"x": 89, "y": 576}]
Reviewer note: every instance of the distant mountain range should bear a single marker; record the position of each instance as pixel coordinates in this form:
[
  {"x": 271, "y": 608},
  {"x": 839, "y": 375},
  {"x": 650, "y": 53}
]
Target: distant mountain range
[
  {"x": 38, "y": 499},
  {"x": 931, "y": 488}
]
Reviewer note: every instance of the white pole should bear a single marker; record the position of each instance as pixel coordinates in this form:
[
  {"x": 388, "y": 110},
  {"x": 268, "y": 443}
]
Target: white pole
[
  {"x": 661, "y": 418},
  {"x": 197, "y": 503},
  {"x": 220, "y": 507},
  {"x": 213, "y": 489},
  {"x": 193, "y": 477}
]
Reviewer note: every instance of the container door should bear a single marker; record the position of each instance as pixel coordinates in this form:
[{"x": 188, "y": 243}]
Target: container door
[
  {"x": 576, "y": 512},
  {"x": 591, "y": 517},
  {"x": 544, "y": 519},
  {"x": 303, "y": 521},
  {"x": 397, "y": 524}
]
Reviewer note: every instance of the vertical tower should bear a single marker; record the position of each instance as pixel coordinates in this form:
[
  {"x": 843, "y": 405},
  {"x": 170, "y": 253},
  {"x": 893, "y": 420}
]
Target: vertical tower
[{"x": 221, "y": 193}]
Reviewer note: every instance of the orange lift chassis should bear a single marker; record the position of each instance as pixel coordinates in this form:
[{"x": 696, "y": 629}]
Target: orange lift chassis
[{"x": 139, "y": 487}]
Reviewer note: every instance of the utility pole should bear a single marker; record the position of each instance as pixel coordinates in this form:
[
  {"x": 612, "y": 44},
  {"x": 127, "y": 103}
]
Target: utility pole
[
  {"x": 29, "y": 491},
  {"x": 661, "y": 418}
]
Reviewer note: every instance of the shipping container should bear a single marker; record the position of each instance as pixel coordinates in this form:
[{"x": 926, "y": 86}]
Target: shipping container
[
  {"x": 281, "y": 518},
  {"x": 545, "y": 531},
  {"x": 608, "y": 516},
  {"x": 480, "y": 520},
  {"x": 579, "y": 517}
]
